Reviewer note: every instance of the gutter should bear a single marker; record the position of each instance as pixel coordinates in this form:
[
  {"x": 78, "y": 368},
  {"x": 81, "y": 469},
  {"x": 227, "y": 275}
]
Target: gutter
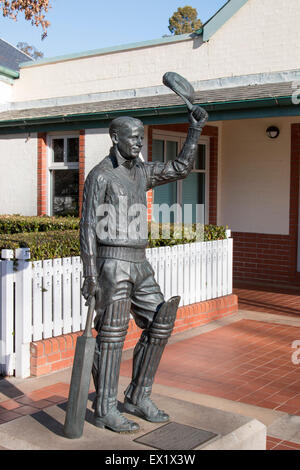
[
  {"x": 9, "y": 72},
  {"x": 217, "y": 111}
]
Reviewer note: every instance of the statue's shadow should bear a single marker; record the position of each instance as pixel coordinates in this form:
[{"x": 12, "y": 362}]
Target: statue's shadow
[
  {"x": 53, "y": 425},
  {"x": 56, "y": 427}
]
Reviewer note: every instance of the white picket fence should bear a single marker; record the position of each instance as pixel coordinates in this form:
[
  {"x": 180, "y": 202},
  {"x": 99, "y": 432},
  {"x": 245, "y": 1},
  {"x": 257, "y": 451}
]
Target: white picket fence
[{"x": 42, "y": 299}]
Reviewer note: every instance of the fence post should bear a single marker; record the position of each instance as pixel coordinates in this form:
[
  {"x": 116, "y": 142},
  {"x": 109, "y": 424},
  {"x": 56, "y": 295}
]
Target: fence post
[
  {"x": 67, "y": 295},
  {"x": 162, "y": 268},
  {"x": 198, "y": 288},
  {"x": 7, "y": 357},
  {"x": 37, "y": 301},
  {"x": 230, "y": 265},
  {"x": 168, "y": 273},
  {"x": 180, "y": 273},
  {"x": 23, "y": 327},
  {"x": 76, "y": 294},
  {"x": 186, "y": 278},
  {"x": 193, "y": 286},
  {"x": 174, "y": 270},
  {"x": 47, "y": 298},
  {"x": 203, "y": 271},
  {"x": 208, "y": 270},
  {"x": 214, "y": 269}
]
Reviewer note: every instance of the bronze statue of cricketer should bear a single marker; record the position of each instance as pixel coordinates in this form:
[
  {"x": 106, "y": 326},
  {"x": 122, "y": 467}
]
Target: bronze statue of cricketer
[{"x": 117, "y": 273}]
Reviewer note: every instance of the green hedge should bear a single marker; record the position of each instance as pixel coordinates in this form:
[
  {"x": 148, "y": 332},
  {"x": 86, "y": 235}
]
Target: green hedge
[
  {"x": 176, "y": 235},
  {"x": 47, "y": 245},
  {"x": 23, "y": 224},
  {"x": 59, "y": 244}
]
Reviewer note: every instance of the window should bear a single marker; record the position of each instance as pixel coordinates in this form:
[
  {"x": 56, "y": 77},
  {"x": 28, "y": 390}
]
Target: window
[
  {"x": 64, "y": 175},
  {"x": 188, "y": 192}
]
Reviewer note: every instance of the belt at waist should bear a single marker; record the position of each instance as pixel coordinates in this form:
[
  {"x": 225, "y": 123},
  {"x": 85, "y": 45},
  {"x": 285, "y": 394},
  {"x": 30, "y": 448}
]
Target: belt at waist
[{"x": 123, "y": 253}]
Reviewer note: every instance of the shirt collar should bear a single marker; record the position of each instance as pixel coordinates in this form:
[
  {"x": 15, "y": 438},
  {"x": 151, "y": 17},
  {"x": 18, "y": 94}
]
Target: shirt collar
[{"x": 123, "y": 161}]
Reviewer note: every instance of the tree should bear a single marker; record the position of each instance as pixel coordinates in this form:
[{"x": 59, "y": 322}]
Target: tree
[
  {"x": 33, "y": 11},
  {"x": 30, "y": 50},
  {"x": 184, "y": 20}
]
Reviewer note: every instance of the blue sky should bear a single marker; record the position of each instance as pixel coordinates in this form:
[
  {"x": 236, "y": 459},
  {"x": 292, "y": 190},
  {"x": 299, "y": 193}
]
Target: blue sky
[{"x": 81, "y": 25}]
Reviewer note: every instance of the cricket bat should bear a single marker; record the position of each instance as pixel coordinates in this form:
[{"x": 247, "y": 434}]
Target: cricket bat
[{"x": 80, "y": 379}]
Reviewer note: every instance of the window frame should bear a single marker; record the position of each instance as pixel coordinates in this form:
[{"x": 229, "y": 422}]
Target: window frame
[
  {"x": 180, "y": 138},
  {"x": 65, "y": 165}
]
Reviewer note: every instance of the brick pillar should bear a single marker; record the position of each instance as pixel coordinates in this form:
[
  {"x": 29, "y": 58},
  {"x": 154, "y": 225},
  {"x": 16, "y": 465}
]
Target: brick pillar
[
  {"x": 294, "y": 197},
  {"x": 149, "y": 193},
  {"x": 81, "y": 167},
  {"x": 149, "y": 205},
  {"x": 42, "y": 174}
]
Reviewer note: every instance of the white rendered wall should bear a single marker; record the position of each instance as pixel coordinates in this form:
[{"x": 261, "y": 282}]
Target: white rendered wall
[
  {"x": 18, "y": 170},
  {"x": 98, "y": 144},
  {"x": 254, "y": 180},
  {"x": 263, "y": 36},
  {"x": 5, "y": 92}
]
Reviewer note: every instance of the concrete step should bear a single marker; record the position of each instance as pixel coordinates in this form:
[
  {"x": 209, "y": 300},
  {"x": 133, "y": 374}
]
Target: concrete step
[{"x": 44, "y": 430}]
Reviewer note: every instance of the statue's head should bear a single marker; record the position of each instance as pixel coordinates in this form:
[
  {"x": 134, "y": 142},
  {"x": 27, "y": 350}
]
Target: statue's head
[{"x": 127, "y": 134}]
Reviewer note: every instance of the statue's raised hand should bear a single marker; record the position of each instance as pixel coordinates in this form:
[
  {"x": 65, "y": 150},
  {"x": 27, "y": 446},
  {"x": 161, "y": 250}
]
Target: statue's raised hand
[{"x": 198, "y": 116}]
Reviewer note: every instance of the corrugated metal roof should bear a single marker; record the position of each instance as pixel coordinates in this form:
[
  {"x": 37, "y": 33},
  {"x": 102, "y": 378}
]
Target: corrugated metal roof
[{"x": 207, "y": 97}]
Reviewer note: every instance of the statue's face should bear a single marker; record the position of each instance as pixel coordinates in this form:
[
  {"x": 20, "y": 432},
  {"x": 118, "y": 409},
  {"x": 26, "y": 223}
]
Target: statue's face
[{"x": 129, "y": 141}]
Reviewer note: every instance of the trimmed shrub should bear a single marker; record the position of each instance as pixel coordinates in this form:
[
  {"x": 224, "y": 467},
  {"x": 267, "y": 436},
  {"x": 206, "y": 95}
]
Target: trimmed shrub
[
  {"x": 47, "y": 245},
  {"x": 60, "y": 244},
  {"x": 23, "y": 224},
  {"x": 175, "y": 234}
]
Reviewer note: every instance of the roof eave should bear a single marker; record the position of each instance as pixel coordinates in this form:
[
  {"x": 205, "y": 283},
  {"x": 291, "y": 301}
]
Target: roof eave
[
  {"x": 221, "y": 17},
  {"x": 112, "y": 50},
  {"x": 9, "y": 73},
  {"x": 27, "y": 124}
]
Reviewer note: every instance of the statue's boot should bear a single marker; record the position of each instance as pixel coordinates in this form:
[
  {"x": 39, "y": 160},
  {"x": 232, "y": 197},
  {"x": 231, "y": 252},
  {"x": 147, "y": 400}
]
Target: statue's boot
[
  {"x": 106, "y": 368},
  {"x": 146, "y": 358}
]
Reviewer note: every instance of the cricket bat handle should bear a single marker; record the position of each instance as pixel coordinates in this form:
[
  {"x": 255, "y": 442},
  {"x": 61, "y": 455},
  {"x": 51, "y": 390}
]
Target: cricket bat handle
[{"x": 89, "y": 319}]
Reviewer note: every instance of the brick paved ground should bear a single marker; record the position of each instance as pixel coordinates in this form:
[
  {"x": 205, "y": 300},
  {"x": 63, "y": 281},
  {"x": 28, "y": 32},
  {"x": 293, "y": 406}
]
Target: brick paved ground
[
  {"x": 276, "y": 300},
  {"x": 246, "y": 361},
  {"x": 33, "y": 402},
  {"x": 277, "y": 444}
]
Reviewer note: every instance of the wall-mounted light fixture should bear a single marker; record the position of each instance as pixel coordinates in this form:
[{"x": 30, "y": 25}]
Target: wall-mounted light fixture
[{"x": 273, "y": 132}]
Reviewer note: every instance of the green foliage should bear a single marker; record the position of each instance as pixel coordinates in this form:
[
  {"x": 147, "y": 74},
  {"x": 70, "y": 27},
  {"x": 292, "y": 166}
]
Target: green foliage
[
  {"x": 47, "y": 245},
  {"x": 184, "y": 21},
  {"x": 175, "y": 234},
  {"x": 33, "y": 11},
  {"x": 22, "y": 224},
  {"x": 45, "y": 242}
]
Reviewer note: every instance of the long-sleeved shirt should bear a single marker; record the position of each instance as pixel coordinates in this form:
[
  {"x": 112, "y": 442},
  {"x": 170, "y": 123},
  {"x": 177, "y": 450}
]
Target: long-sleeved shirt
[{"x": 114, "y": 194}]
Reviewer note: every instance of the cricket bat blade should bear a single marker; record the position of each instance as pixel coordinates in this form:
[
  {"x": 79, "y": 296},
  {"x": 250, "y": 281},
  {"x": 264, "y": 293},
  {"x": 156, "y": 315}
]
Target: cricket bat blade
[{"x": 80, "y": 381}]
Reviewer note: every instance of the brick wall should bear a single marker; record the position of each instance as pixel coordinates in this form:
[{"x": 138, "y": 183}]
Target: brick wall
[
  {"x": 263, "y": 258},
  {"x": 81, "y": 167},
  {"x": 54, "y": 354},
  {"x": 149, "y": 205},
  {"x": 42, "y": 174}
]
